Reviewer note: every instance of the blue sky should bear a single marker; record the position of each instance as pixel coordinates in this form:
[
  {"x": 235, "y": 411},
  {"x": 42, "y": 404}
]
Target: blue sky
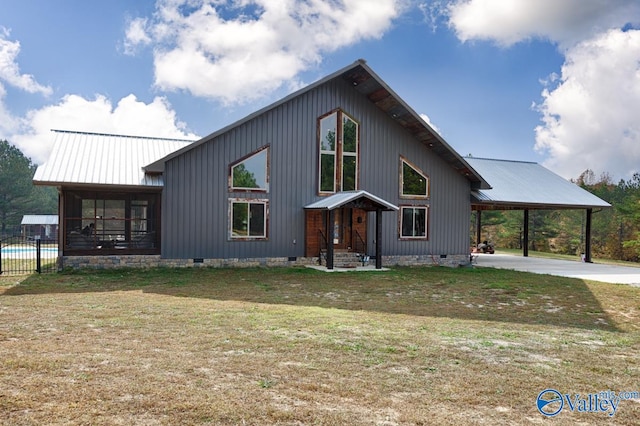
[{"x": 556, "y": 82}]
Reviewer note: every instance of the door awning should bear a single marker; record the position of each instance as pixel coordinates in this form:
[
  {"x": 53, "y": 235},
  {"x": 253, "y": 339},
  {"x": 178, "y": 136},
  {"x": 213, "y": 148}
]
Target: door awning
[{"x": 356, "y": 199}]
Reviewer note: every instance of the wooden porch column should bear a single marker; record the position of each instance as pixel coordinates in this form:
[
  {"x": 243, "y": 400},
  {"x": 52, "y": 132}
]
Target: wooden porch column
[
  {"x": 525, "y": 243},
  {"x": 378, "y": 239},
  {"x": 330, "y": 231},
  {"x": 587, "y": 242}
]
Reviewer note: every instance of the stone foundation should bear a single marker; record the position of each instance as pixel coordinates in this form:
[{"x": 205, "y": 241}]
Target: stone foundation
[
  {"x": 153, "y": 261},
  {"x": 450, "y": 260}
]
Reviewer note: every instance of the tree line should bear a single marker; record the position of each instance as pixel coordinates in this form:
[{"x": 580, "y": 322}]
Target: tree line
[
  {"x": 18, "y": 195},
  {"x": 615, "y": 231}
]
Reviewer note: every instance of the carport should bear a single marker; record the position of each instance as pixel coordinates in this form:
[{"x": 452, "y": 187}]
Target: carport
[{"x": 526, "y": 186}]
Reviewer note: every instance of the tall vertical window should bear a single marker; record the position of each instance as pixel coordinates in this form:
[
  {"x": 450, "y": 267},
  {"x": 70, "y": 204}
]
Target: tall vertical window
[
  {"x": 349, "y": 154},
  {"x": 328, "y": 139},
  {"x": 413, "y": 222},
  {"x": 414, "y": 183},
  {"x": 339, "y": 144}
]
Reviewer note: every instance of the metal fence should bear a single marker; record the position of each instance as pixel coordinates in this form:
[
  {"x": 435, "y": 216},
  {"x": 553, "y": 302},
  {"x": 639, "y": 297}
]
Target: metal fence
[{"x": 22, "y": 255}]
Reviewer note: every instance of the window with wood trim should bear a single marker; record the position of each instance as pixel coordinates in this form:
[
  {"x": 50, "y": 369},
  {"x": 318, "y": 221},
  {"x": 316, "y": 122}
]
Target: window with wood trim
[
  {"x": 248, "y": 218},
  {"x": 251, "y": 173},
  {"x": 339, "y": 144},
  {"x": 413, "y": 222},
  {"x": 414, "y": 183}
]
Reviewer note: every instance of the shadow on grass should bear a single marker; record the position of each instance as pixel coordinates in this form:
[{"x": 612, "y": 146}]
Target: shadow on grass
[{"x": 465, "y": 293}]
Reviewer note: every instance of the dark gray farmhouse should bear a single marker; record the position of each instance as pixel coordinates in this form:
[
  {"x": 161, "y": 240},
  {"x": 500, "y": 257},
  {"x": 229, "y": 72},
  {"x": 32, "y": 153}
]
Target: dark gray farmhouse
[{"x": 340, "y": 172}]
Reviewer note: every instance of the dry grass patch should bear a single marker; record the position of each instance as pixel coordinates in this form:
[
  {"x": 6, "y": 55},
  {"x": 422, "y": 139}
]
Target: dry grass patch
[{"x": 297, "y": 346}]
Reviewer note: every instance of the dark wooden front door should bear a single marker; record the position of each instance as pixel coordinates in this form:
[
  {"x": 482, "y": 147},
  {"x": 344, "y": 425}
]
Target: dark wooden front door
[{"x": 342, "y": 223}]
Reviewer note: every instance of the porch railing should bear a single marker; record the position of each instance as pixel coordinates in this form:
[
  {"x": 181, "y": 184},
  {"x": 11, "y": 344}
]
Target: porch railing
[{"x": 359, "y": 245}]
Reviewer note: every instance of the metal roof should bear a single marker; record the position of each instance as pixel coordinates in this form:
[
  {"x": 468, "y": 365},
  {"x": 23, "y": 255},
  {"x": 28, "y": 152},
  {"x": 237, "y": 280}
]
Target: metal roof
[
  {"x": 362, "y": 78},
  {"x": 81, "y": 158},
  {"x": 341, "y": 198},
  {"x": 39, "y": 219},
  {"x": 520, "y": 184}
]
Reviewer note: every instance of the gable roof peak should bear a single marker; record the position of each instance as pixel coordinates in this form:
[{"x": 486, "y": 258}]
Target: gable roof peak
[{"x": 365, "y": 81}]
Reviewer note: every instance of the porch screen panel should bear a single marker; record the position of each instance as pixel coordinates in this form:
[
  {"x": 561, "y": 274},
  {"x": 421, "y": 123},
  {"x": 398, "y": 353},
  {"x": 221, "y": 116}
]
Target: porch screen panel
[{"x": 103, "y": 221}]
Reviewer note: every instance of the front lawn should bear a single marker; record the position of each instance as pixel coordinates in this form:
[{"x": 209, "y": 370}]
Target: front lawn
[{"x": 296, "y": 346}]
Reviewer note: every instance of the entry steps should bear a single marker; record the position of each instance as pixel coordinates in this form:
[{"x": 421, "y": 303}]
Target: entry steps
[{"x": 344, "y": 259}]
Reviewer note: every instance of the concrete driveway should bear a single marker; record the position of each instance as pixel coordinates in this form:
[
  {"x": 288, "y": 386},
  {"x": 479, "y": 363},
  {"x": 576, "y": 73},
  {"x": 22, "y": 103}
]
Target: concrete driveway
[{"x": 564, "y": 268}]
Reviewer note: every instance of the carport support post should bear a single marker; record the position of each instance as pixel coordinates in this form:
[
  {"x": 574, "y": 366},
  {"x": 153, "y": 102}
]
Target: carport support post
[
  {"x": 525, "y": 243},
  {"x": 378, "y": 239},
  {"x": 587, "y": 242}
]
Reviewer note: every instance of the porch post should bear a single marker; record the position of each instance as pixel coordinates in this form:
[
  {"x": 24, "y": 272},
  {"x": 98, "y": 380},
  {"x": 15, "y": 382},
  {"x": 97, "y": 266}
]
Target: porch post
[
  {"x": 378, "y": 239},
  {"x": 330, "y": 232},
  {"x": 525, "y": 243},
  {"x": 587, "y": 242},
  {"x": 478, "y": 226}
]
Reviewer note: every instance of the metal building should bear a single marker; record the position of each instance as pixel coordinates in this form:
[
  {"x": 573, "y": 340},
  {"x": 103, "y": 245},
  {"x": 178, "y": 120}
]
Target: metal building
[{"x": 347, "y": 132}]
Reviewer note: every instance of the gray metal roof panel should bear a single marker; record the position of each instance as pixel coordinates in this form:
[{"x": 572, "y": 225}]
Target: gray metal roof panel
[
  {"x": 102, "y": 159},
  {"x": 341, "y": 198},
  {"x": 528, "y": 183},
  {"x": 39, "y": 219}
]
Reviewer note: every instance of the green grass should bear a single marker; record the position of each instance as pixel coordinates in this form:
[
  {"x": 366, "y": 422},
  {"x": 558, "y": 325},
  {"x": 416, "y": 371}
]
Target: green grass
[{"x": 298, "y": 346}]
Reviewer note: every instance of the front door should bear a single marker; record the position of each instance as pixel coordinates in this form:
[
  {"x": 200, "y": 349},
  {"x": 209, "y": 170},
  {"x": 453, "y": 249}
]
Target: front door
[
  {"x": 349, "y": 230},
  {"x": 342, "y": 223}
]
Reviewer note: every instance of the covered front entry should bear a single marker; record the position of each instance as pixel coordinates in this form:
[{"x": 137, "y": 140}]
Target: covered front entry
[{"x": 339, "y": 222}]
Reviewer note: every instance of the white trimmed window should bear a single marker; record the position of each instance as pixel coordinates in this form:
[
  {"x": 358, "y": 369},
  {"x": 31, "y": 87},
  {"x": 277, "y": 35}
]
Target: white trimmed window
[
  {"x": 413, "y": 183},
  {"x": 413, "y": 222},
  {"x": 248, "y": 218},
  {"x": 339, "y": 141}
]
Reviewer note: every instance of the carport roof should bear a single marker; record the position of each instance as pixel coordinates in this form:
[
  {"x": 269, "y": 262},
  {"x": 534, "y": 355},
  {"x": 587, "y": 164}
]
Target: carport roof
[
  {"x": 526, "y": 185},
  {"x": 39, "y": 219}
]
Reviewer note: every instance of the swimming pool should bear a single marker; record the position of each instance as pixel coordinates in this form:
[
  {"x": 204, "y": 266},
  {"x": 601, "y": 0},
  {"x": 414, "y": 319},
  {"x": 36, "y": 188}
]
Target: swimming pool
[{"x": 28, "y": 250}]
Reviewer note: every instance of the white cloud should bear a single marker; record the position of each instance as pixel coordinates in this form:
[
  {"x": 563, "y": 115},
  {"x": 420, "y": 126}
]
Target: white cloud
[
  {"x": 589, "y": 113},
  {"x": 565, "y": 21},
  {"x": 590, "y": 119},
  {"x": 10, "y": 71},
  {"x": 73, "y": 112},
  {"x": 32, "y": 133},
  {"x": 238, "y": 51},
  {"x": 427, "y": 120},
  {"x": 135, "y": 35}
]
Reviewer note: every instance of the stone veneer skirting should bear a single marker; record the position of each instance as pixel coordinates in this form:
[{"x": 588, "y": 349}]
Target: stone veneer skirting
[{"x": 153, "y": 261}]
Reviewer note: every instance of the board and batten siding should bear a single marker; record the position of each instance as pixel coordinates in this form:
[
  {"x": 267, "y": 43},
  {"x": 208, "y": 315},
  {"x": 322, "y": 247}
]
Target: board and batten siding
[{"x": 195, "y": 214}]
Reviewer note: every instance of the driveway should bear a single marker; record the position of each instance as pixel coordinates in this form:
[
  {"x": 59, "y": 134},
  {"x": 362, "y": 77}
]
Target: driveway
[{"x": 564, "y": 268}]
